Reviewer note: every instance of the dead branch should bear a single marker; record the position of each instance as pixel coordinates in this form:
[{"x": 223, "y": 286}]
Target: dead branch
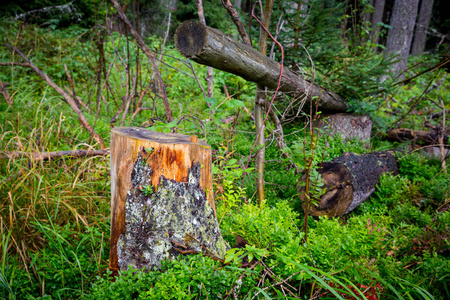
[
  {"x": 13, "y": 63},
  {"x": 37, "y": 156},
  {"x": 119, "y": 111},
  {"x": 66, "y": 96},
  {"x": 278, "y": 128},
  {"x": 72, "y": 86},
  {"x": 5, "y": 93},
  {"x": 51, "y": 10},
  {"x": 151, "y": 57},
  {"x": 139, "y": 103},
  {"x": 240, "y": 278},
  {"x": 237, "y": 21}
]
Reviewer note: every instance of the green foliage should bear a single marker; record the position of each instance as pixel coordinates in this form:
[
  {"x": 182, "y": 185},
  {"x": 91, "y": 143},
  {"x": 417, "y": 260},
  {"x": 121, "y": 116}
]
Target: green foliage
[
  {"x": 63, "y": 268},
  {"x": 262, "y": 227},
  {"x": 249, "y": 252},
  {"x": 191, "y": 277},
  {"x": 147, "y": 190},
  {"x": 83, "y": 12},
  {"x": 54, "y": 214},
  {"x": 216, "y": 15},
  {"x": 336, "y": 54}
]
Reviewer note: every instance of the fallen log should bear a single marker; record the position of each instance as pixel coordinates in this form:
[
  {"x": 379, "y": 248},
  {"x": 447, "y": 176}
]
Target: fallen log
[
  {"x": 161, "y": 199},
  {"x": 209, "y": 46},
  {"x": 349, "y": 180},
  {"x": 426, "y": 137}
]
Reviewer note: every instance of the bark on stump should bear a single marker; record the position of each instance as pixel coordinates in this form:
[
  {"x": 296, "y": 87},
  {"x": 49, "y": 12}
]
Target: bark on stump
[
  {"x": 209, "y": 46},
  {"x": 348, "y": 126},
  {"x": 161, "y": 195},
  {"x": 349, "y": 180}
]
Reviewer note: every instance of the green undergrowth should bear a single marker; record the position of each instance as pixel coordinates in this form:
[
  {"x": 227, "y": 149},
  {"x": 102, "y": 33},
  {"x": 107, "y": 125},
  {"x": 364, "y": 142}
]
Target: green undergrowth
[{"x": 54, "y": 215}]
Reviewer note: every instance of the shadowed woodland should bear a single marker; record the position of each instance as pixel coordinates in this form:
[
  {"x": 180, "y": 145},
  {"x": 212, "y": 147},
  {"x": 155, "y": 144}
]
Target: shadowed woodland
[{"x": 327, "y": 121}]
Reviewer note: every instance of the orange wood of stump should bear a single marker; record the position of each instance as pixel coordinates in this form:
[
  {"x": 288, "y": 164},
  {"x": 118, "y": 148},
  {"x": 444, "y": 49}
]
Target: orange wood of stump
[{"x": 167, "y": 154}]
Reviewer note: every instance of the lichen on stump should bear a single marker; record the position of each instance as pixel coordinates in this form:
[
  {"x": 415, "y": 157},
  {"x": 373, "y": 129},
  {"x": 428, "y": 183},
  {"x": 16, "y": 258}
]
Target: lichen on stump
[{"x": 174, "y": 211}]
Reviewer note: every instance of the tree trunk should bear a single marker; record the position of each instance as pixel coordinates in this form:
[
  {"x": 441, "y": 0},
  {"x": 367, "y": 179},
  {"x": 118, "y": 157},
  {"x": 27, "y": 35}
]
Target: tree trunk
[
  {"x": 261, "y": 96},
  {"x": 366, "y": 17},
  {"x": 420, "y": 36},
  {"x": 377, "y": 18},
  {"x": 209, "y": 46},
  {"x": 161, "y": 194},
  {"x": 403, "y": 19},
  {"x": 349, "y": 180}
]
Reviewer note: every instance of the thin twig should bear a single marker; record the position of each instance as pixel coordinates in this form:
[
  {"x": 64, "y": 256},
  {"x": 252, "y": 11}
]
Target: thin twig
[{"x": 240, "y": 278}]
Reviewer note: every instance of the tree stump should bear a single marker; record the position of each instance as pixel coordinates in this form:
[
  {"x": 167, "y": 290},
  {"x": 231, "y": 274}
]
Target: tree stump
[
  {"x": 348, "y": 126},
  {"x": 161, "y": 195},
  {"x": 349, "y": 180}
]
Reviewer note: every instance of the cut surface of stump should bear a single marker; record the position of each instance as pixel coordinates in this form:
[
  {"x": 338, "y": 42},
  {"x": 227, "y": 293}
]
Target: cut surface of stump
[
  {"x": 349, "y": 180},
  {"x": 161, "y": 195}
]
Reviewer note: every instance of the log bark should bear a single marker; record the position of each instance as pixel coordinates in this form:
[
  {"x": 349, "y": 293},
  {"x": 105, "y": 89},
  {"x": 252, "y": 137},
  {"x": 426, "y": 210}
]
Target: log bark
[
  {"x": 209, "y": 46},
  {"x": 161, "y": 196},
  {"x": 425, "y": 137},
  {"x": 349, "y": 180}
]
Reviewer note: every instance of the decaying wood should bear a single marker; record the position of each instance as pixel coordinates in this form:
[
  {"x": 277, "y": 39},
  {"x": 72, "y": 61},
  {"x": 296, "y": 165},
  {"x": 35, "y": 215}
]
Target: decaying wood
[
  {"x": 66, "y": 96},
  {"x": 161, "y": 191},
  {"x": 426, "y": 137},
  {"x": 36, "y": 156},
  {"x": 349, "y": 180},
  {"x": 209, "y": 46}
]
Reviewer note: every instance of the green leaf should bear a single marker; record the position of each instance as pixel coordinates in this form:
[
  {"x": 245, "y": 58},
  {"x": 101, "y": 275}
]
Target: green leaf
[
  {"x": 264, "y": 293},
  {"x": 236, "y": 103},
  {"x": 211, "y": 100}
]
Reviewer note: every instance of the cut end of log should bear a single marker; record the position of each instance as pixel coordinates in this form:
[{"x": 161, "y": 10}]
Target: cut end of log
[
  {"x": 349, "y": 180},
  {"x": 339, "y": 190},
  {"x": 190, "y": 38}
]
